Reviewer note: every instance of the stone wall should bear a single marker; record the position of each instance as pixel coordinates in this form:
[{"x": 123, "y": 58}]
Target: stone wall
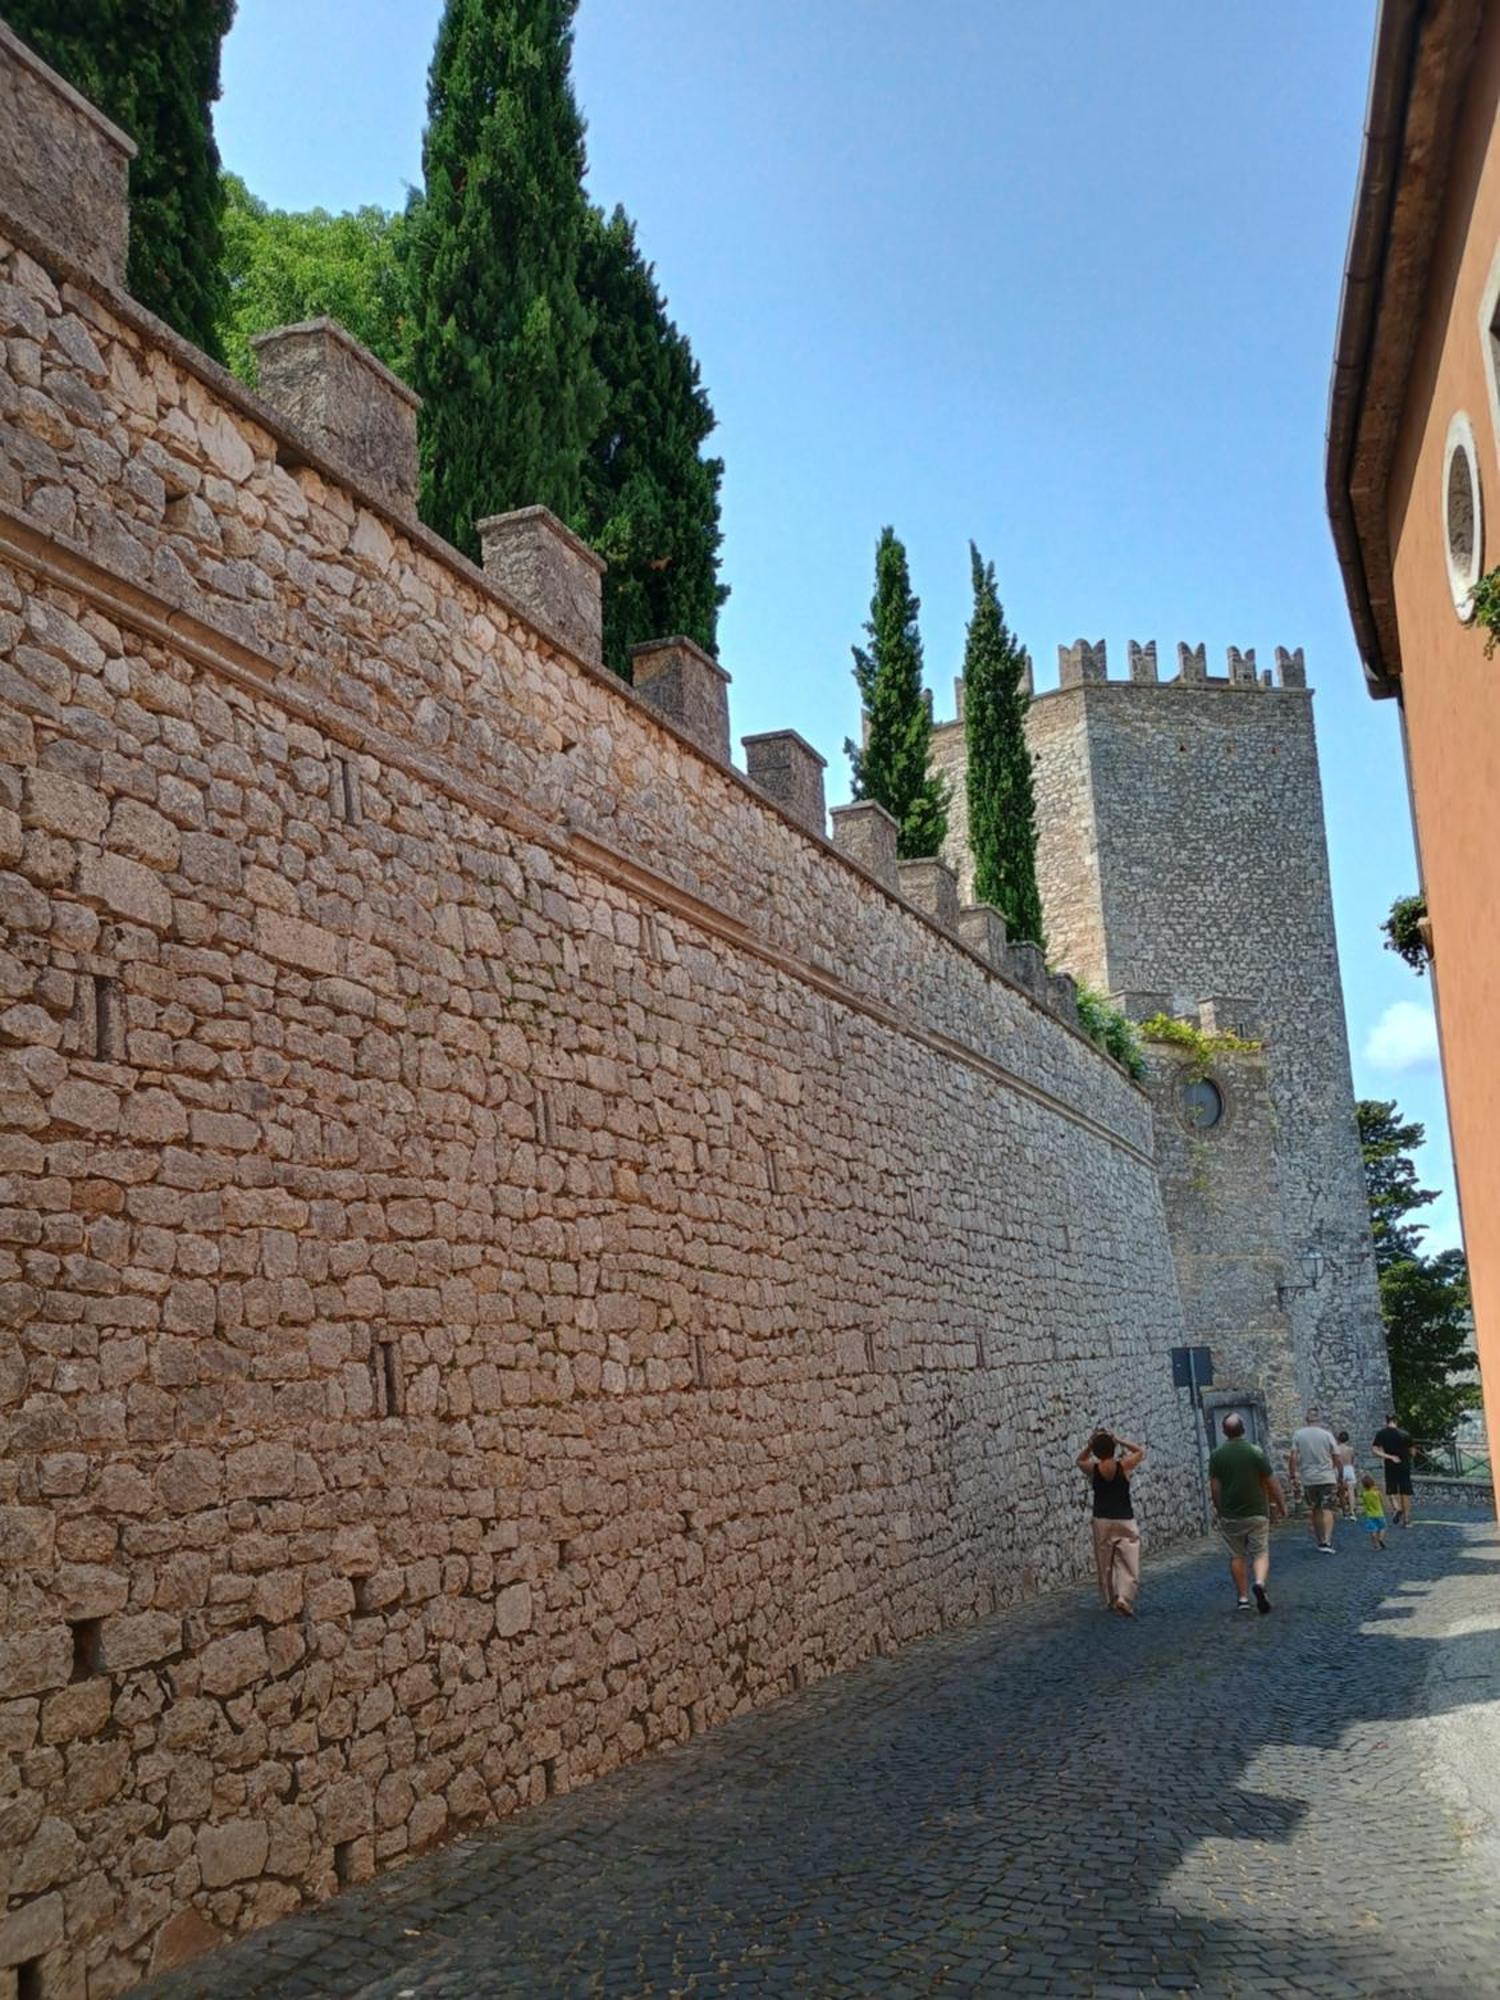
[
  {"x": 1210, "y": 876},
  {"x": 512, "y": 1248},
  {"x": 1222, "y": 1191}
]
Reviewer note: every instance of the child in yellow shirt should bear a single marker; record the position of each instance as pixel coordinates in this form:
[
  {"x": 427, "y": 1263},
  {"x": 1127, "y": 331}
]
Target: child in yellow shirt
[{"x": 1372, "y": 1506}]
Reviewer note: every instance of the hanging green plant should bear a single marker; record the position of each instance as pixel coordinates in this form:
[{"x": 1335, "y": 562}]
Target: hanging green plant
[
  {"x": 1484, "y": 601},
  {"x": 1113, "y": 1031},
  {"x": 1197, "y": 1044}
]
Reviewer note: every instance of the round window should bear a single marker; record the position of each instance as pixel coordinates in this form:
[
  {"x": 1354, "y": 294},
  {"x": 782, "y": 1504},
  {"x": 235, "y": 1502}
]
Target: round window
[
  {"x": 1463, "y": 514},
  {"x": 1202, "y": 1103}
]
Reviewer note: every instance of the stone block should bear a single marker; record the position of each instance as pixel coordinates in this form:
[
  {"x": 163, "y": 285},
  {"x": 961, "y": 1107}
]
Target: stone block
[
  {"x": 1143, "y": 661},
  {"x": 138, "y": 1640},
  {"x": 867, "y": 834},
  {"x": 1062, "y": 996},
  {"x": 549, "y": 574},
  {"x": 232, "y": 1852},
  {"x": 33, "y": 1928},
  {"x": 680, "y": 681},
  {"x": 1242, "y": 670},
  {"x": 1291, "y": 668},
  {"x": 64, "y": 168},
  {"x": 931, "y": 886},
  {"x": 126, "y": 889},
  {"x": 346, "y": 402},
  {"x": 1141, "y": 1006},
  {"x": 1219, "y": 1015},
  {"x": 786, "y": 768},
  {"x": 1192, "y": 663},
  {"x": 982, "y": 929},
  {"x": 1028, "y": 968},
  {"x": 1081, "y": 662}
]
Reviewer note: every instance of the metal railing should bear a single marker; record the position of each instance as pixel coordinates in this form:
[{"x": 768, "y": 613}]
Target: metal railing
[{"x": 1448, "y": 1458}]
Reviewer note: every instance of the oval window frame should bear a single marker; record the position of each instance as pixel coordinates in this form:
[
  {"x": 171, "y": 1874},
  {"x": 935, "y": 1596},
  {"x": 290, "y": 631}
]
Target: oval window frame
[{"x": 1461, "y": 580}]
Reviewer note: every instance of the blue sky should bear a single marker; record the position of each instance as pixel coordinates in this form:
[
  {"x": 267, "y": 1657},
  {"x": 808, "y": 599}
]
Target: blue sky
[{"x": 1060, "y": 275}]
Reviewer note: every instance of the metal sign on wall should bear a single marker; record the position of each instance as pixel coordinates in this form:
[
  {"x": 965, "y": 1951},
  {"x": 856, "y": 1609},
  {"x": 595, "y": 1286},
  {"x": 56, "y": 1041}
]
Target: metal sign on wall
[{"x": 1192, "y": 1368}]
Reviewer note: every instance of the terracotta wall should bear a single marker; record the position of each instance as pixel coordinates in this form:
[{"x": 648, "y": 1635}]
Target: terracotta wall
[{"x": 1451, "y": 690}]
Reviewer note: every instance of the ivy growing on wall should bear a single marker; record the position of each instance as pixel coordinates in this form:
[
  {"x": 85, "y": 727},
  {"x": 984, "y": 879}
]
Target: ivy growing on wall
[{"x": 1197, "y": 1044}]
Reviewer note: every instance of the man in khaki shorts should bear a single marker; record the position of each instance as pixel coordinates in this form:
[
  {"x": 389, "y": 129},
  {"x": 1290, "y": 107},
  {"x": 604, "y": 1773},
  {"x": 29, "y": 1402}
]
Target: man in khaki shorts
[{"x": 1247, "y": 1498}]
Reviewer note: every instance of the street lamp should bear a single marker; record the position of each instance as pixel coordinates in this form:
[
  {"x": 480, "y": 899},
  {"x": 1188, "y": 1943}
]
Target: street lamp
[{"x": 1312, "y": 1264}]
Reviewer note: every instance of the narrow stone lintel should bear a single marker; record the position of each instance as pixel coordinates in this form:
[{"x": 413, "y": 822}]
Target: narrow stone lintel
[
  {"x": 931, "y": 886},
  {"x": 687, "y": 687},
  {"x": 787, "y": 768},
  {"x": 345, "y": 399},
  {"x": 982, "y": 929},
  {"x": 64, "y": 168},
  {"x": 549, "y": 574},
  {"x": 867, "y": 833}
]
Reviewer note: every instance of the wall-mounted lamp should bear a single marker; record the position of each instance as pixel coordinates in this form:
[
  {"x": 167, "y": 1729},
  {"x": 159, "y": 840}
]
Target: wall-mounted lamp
[{"x": 1312, "y": 1264}]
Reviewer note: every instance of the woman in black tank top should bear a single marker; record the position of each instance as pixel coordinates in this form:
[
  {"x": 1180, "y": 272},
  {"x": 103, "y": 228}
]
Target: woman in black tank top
[{"x": 1109, "y": 1461}]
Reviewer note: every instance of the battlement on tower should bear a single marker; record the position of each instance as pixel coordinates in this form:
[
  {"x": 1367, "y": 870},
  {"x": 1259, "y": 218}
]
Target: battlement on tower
[{"x": 1086, "y": 663}]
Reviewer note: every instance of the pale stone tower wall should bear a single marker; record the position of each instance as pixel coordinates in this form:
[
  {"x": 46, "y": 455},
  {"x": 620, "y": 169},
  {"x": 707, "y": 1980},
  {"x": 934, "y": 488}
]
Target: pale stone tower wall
[{"x": 1182, "y": 854}]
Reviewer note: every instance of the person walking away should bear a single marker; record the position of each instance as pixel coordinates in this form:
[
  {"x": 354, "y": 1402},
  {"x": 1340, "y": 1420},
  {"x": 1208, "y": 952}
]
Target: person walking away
[
  {"x": 1312, "y": 1466},
  {"x": 1348, "y": 1477},
  {"x": 1110, "y": 1462},
  {"x": 1393, "y": 1444},
  {"x": 1373, "y": 1509},
  {"x": 1247, "y": 1497}
]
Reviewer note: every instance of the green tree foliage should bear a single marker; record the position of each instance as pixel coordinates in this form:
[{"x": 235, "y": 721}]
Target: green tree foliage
[
  {"x": 1406, "y": 932},
  {"x": 651, "y": 499},
  {"x": 1002, "y": 804},
  {"x": 1423, "y": 1300},
  {"x": 1391, "y": 1181},
  {"x": 1429, "y": 1336},
  {"x": 892, "y": 767},
  {"x": 501, "y": 336},
  {"x": 1115, "y": 1032},
  {"x": 153, "y": 67},
  {"x": 283, "y": 267}
]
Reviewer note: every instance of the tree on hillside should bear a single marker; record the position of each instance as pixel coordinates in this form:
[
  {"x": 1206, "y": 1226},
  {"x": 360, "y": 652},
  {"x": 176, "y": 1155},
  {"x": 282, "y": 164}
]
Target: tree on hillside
[
  {"x": 1423, "y": 1300},
  {"x": 153, "y": 67},
  {"x": 651, "y": 499},
  {"x": 281, "y": 267},
  {"x": 500, "y": 333},
  {"x": 1002, "y": 804},
  {"x": 892, "y": 765}
]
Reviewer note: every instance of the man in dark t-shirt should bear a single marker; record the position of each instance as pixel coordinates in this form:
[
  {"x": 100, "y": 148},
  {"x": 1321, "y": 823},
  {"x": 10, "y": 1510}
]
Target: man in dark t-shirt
[{"x": 1394, "y": 1445}]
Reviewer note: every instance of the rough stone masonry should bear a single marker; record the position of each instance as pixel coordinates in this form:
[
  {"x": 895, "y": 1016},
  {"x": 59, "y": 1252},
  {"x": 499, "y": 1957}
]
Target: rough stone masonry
[{"x": 512, "y": 1248}]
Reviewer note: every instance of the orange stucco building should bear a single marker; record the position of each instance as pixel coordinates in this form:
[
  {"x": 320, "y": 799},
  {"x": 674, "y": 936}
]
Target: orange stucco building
[{"x": 1414, "y": 496}]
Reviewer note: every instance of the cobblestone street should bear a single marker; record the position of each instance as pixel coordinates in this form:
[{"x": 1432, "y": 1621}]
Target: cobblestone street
[{"x": 1052, "y": 1802}]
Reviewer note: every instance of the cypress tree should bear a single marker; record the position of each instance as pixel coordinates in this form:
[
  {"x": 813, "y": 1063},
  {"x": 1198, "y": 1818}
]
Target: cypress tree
[
  {"x": 651, "y": 503},
  {"x": 892, "y": 767},
  {"x": 500, "y": 332},
  {"x": 1002, "y": 804},
  {"x": 153, "y": 67}
]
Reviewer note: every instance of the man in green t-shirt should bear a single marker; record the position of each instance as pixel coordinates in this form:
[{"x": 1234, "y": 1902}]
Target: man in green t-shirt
[{"x": 1247, "y": 1498}]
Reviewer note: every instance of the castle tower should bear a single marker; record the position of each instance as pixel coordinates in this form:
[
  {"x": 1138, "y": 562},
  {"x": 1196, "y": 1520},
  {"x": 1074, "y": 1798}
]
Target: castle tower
[{"x": 1181, "y": 856}]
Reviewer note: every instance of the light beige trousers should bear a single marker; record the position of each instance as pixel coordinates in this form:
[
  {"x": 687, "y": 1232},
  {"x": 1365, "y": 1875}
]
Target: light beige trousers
[{"x": 1117, "y": 1551}]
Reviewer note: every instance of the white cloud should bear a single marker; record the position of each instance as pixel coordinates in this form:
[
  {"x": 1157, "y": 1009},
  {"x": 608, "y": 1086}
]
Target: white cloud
[{"x": 1405, "y": 1037}]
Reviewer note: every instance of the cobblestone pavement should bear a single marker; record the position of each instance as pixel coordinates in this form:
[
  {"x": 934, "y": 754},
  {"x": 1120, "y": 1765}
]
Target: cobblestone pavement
[{"x": 1053, "y": 1802}]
